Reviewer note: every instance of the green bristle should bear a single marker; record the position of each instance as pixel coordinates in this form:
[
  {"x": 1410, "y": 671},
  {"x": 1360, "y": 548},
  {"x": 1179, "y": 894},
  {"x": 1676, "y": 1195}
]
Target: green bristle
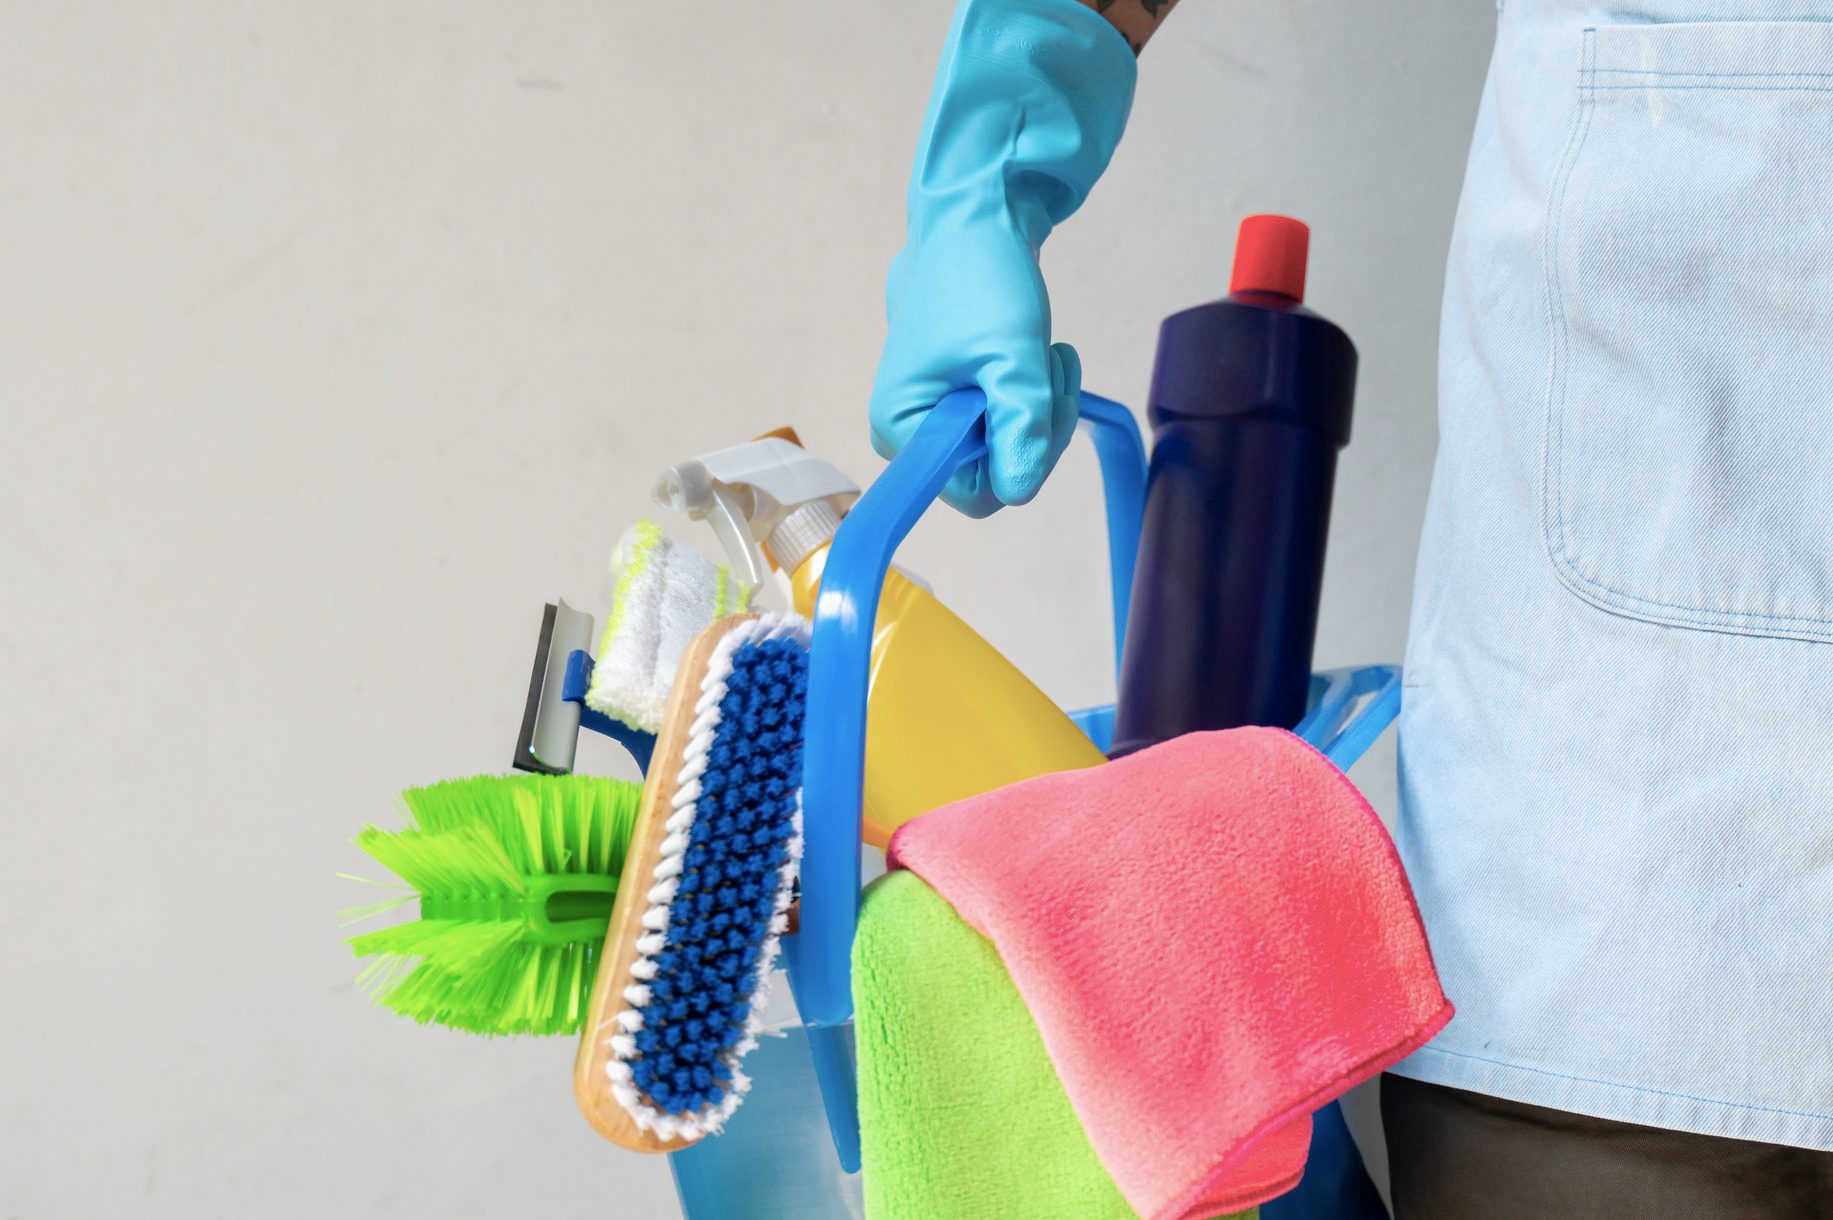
[{"x": 485, "y": 857}]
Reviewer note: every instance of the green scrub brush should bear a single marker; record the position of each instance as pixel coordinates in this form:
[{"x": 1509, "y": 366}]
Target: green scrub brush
[{"x": 516, "y": 876}]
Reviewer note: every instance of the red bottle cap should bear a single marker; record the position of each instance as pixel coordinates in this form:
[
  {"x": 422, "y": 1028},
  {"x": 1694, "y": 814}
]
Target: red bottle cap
[{"x": 1270, "y": 256}]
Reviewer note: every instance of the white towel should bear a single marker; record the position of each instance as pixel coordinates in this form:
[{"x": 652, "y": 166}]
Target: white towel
[{"x": 665, "y": 595}]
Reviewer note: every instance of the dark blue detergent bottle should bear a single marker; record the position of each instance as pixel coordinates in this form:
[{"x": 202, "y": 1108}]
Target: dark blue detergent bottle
[{"x": 1250, "y": 403}]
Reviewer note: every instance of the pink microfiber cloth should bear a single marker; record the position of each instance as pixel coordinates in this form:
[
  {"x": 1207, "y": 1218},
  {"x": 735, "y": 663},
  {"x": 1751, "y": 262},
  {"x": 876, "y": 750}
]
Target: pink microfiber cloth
[{"x": 1214, "y": 937}]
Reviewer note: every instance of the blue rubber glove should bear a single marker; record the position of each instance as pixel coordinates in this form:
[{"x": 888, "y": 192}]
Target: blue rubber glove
[{"x": 1029, "y": 101}]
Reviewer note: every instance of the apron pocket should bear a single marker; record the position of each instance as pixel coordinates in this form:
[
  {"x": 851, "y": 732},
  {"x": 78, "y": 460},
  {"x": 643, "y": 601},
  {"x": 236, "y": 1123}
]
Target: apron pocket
[{"x": 1688, "y": 463}]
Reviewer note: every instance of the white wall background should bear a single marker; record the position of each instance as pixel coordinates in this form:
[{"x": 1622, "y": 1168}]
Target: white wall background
[{"x": 336, "y": 337}]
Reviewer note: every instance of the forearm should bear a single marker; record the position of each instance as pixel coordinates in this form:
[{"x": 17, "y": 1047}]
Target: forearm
[{"x": 1137, "y": 20}]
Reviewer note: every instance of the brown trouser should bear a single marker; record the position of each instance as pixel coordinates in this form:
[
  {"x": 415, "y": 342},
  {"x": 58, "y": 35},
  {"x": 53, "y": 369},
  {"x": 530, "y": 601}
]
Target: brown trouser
[{"x": 1455, "y": 1155}]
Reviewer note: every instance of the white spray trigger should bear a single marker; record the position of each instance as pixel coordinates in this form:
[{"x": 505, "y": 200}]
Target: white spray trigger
[
  {"x": 733, "y": 528},
  {"x": 746, "y": 491}
]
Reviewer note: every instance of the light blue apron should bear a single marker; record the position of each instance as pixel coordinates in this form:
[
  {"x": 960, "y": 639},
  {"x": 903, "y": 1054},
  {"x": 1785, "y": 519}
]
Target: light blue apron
[{"x": 1615, "y": 754}]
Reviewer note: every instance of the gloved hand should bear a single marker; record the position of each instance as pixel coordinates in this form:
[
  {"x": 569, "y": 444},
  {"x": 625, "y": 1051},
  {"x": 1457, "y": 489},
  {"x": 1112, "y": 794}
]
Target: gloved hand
[{"x": 1029, "y": 101}]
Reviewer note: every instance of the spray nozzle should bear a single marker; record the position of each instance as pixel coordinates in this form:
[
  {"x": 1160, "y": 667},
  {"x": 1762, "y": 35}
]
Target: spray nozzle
[{"x": 769, "y": 493}]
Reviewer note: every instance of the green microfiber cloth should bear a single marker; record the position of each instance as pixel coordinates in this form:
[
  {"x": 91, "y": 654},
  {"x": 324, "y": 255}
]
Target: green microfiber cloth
[{"x": 961, "y": 1113}]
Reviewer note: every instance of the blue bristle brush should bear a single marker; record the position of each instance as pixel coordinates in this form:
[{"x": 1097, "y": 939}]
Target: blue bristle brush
[{"x": 705, "y": 892}]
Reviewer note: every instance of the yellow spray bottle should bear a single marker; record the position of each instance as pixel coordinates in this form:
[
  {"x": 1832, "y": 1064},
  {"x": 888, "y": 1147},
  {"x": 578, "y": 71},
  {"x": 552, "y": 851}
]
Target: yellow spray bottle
[{"x": 947, "y": 716}]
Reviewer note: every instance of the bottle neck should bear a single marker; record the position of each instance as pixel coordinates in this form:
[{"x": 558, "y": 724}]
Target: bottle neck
[{"x": 802, "y": 533}]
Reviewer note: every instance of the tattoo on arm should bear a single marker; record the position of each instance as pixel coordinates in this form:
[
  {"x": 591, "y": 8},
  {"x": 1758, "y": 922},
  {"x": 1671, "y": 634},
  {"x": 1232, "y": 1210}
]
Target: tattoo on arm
[{"x": 1136, "y": 20}]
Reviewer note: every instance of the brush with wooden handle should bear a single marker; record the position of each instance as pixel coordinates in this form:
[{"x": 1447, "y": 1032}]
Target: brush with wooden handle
[{"x": 705, "y": 892}]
